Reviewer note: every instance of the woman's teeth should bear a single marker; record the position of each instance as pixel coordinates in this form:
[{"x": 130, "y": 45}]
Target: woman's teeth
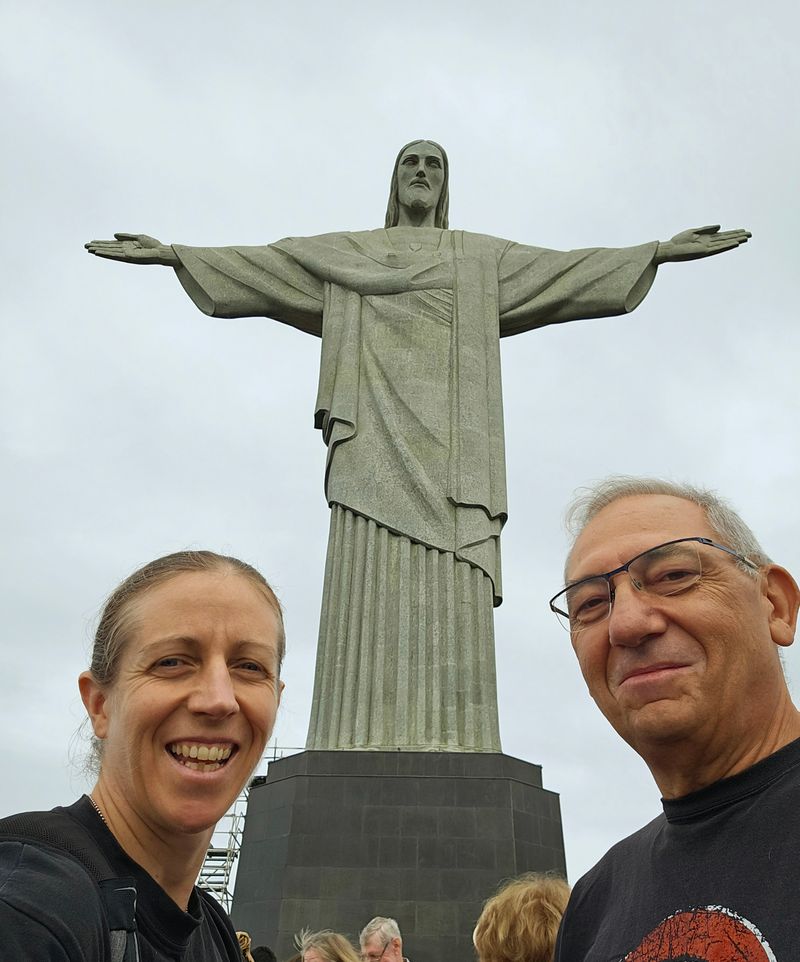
[{"x": 201, "y": 758}]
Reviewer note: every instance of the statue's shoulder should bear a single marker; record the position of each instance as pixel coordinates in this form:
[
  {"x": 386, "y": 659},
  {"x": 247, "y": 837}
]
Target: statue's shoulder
[
  {"x": 312, "y": 238},
  {"x": 484, "y": 240},
  {"x": 381, "y": 240},
  {"x": 482, "y": 246},
  {"x": 344, "y": 239}
]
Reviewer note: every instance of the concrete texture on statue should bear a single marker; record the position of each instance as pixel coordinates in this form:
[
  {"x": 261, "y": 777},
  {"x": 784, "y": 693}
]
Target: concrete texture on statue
[
  {"x": 426, "y": 679},
  {"x": 332, "y": 839},
  {"x": 410, "y": 407}
]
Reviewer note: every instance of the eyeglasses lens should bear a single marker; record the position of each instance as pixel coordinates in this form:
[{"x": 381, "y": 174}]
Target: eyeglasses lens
[
  {"x": 668, "y": 569},
  {"x": 665, "y": 570}
]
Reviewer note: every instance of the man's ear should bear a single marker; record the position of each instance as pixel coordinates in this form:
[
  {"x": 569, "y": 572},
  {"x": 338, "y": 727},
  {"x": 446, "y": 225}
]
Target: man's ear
[
  {"x": 94, "y": 701},
  {"x": 784, "y": 598}
]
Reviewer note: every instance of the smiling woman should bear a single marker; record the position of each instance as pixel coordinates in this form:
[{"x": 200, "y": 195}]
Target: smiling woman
[{"x": 182, "y": 694}]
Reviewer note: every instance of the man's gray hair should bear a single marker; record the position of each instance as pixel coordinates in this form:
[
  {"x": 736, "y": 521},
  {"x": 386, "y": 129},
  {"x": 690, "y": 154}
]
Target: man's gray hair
[
  {"x": 385, "y": 929},
  {"x": 725, "y": 522}
]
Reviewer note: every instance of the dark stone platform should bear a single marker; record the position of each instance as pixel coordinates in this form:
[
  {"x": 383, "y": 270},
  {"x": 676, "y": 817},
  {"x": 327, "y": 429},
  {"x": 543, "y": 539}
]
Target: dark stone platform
[{"x": 333, "y": 838}]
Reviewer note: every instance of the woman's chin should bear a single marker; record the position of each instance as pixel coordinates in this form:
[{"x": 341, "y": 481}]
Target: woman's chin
[{"x": 193, "y": 818}]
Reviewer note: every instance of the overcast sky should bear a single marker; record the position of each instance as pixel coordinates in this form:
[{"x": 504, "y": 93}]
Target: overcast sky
[{"x": 133, "y": 425}]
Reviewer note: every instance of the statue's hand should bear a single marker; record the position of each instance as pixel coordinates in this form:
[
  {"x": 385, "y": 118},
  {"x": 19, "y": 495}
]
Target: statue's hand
[
  {"x": 700, "y": 242},
  {"x": 134, "y": 249}
]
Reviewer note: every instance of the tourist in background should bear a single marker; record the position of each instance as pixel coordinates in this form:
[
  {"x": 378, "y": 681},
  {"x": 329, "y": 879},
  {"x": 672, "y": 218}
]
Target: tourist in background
[
  {"x": 263, "y": 953},
  {"x": 520, "y": 923},
  {"x": 325, "y": 946},
  {"x": 380, "y": 941},
  {"x": 244, "y": 944}
]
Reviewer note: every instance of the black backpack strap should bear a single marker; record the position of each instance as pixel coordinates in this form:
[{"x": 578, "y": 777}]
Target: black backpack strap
[
  {"x": 119, "y": 897},
  {"x": 60, "y": 831}
]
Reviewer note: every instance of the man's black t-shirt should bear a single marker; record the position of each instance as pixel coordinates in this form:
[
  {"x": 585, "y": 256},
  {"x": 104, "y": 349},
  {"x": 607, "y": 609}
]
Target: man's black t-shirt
[
  {"x": 51, "y": 910},
  {"x": 713, "y": 879}
]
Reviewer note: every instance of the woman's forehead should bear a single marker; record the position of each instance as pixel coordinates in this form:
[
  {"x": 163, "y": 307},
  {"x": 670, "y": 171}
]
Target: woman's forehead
[{"x": 202, "y": 597}]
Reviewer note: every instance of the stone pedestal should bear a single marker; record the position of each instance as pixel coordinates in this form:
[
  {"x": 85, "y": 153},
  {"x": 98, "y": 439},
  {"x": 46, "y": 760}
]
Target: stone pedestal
[{"x": 333, "y": 838}]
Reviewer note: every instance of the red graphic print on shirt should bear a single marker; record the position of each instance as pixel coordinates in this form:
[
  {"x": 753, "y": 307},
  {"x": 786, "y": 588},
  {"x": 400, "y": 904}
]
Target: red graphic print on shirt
[{"x": 712, "y": 934}]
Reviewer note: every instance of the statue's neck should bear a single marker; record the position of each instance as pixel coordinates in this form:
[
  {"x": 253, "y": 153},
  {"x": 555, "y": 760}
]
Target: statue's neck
[{"x": 416, "y": 217}]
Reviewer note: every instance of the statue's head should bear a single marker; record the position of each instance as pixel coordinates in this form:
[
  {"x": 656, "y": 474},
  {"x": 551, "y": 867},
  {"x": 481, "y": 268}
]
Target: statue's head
[{"x": 420, "y": 179}]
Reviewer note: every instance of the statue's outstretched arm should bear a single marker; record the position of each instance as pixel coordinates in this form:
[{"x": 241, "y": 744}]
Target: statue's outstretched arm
[
  {"x": 134, "y": 249},
  {"x": 699, "y": 242}
]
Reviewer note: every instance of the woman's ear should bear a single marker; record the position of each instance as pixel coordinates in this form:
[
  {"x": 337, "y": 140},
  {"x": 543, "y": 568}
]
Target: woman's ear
[{"x": 94, "y": 701}]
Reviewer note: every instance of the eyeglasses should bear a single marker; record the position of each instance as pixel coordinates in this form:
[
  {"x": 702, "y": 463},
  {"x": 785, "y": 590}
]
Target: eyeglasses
[
  {"x": 668, "y": 569},
  {"x": 371, "y": 957}
]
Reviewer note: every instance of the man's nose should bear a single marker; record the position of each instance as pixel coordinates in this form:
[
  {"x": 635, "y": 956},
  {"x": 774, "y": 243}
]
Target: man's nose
[
  {"x": 633, "y": 617},
  {"x": 214, "y": 693}
]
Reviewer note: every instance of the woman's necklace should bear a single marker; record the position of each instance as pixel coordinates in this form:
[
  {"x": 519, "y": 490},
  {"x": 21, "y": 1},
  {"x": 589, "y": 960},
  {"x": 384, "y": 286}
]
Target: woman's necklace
[{"x": 97, "y": 809}]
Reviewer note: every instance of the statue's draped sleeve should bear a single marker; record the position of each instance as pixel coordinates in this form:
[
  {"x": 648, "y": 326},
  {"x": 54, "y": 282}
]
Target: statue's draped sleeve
[
  {"x": 540, "y": 287},
  {"x": 251, "y": 282}
]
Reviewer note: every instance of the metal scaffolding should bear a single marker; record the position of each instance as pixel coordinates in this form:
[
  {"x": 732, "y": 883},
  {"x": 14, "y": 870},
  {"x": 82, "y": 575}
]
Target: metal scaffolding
[{"x": 218, "y": 872}]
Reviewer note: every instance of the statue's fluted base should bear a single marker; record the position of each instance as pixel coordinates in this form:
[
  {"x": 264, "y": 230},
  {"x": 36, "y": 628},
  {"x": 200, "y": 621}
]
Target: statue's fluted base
[{"x": 333, "y": 838}]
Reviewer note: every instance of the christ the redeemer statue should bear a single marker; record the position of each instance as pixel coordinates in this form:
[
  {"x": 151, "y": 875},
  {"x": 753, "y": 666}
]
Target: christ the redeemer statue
[{"x": 410, "y": 407}]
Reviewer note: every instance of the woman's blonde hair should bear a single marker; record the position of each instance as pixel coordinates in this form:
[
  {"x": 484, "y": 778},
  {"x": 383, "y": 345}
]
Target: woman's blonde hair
[
  {"x": 520, "y": 923},
  {"x": 332, "y": 946},
  {"x": 244, "y": 940}
]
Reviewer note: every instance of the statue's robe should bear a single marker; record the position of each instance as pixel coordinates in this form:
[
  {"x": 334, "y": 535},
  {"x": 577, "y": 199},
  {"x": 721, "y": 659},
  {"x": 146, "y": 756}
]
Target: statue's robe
[{"x": 410, "y": 407}]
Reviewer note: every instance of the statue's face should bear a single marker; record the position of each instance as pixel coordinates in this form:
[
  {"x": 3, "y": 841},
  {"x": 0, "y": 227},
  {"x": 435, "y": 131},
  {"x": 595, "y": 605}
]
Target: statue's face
[{"x": 420, "y": 176}]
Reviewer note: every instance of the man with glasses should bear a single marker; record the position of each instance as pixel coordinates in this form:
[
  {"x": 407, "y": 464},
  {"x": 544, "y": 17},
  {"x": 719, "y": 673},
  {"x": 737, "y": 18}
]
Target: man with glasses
[
  {"x": 677, "y": 616},
  {"x": 380, "y": 941}
]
